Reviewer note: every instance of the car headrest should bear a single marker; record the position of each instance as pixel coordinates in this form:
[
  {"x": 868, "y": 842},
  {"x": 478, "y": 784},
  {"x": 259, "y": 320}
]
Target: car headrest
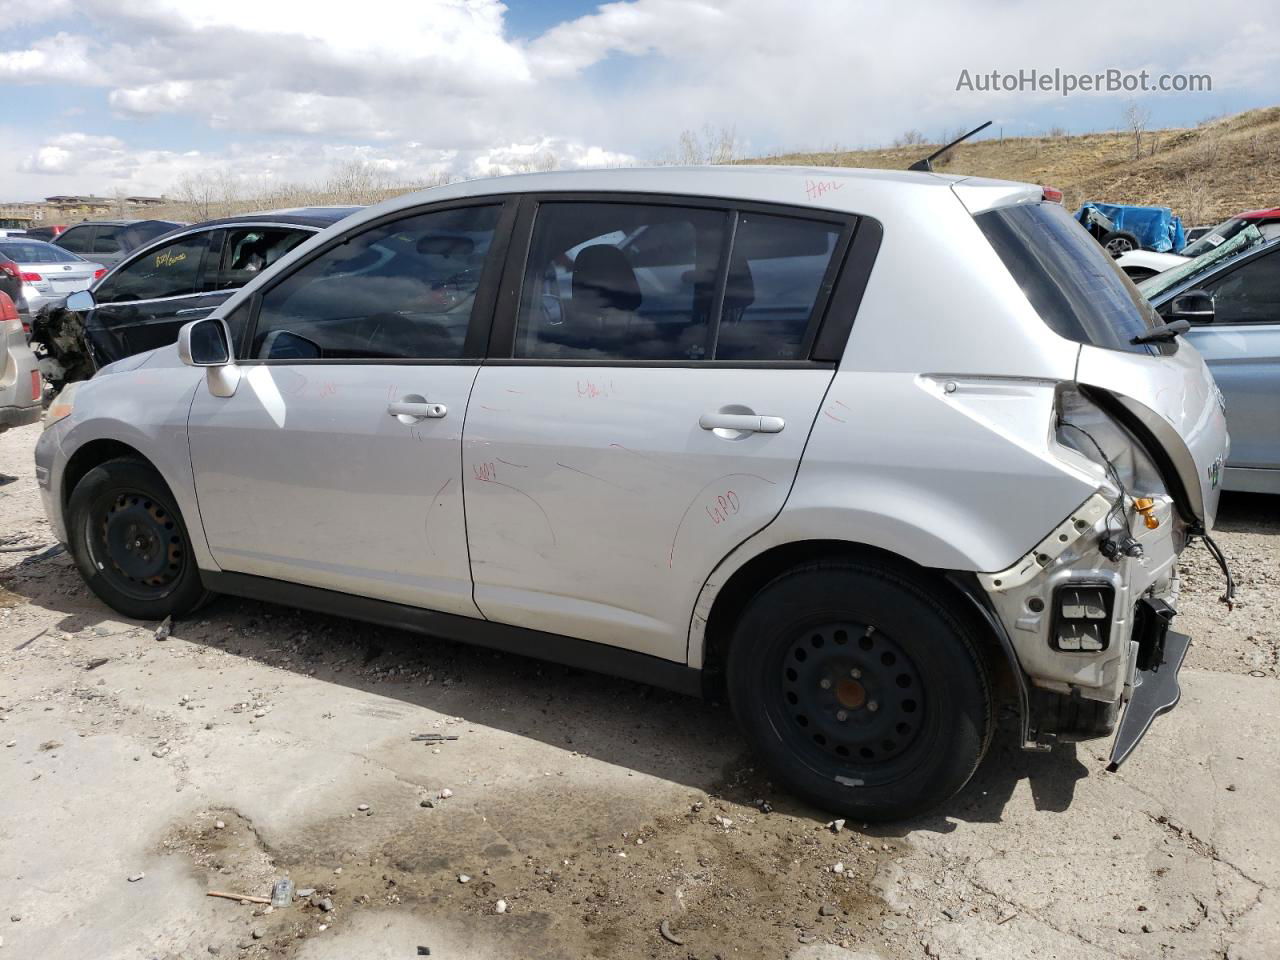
[{"x": 602, "y": 275}]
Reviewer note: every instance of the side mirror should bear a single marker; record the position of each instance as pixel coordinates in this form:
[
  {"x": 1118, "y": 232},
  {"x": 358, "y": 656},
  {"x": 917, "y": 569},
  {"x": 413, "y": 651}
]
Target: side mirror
[
  {"x": 207, "y": 343},
  {"x": 1194, "y": 305},
  {"x": 81, "y": 302},
  {"x": 204, "y": 343}
]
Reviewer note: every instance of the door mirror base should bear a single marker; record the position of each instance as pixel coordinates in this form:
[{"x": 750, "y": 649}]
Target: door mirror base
[{"x": 222, "y": 380}]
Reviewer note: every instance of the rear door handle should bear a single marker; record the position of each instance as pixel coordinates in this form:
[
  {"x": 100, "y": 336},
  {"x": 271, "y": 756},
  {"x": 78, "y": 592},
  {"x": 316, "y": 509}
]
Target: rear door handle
[
  {"x": 745, "y": 422},
  {"x": 419, "y": 411}
]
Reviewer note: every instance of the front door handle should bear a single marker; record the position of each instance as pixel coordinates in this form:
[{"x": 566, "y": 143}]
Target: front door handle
[
  {"x": 744, "y": 422},
  {"x": 417, "y": 411}
]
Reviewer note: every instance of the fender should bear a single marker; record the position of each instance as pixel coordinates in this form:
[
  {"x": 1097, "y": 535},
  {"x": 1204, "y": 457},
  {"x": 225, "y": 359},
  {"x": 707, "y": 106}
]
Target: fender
[{"x": 147, "y": 418}]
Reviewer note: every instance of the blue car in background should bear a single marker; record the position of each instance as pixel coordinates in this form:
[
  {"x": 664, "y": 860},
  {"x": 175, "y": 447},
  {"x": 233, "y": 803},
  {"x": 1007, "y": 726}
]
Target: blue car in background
[
  {"x": 1231, "y": 296},
  {"x": 1122, "y": 229}
]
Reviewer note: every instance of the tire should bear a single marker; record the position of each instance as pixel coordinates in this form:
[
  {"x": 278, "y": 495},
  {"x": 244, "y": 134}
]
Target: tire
[
  {"x": 916, "y": 699},
  {"x": 1119, "y": 242},
  {"x": 130, "y": 543}
]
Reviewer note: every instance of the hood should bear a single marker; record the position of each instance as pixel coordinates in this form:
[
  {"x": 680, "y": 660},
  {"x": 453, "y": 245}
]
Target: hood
[{"x": 1171, "y": 403}]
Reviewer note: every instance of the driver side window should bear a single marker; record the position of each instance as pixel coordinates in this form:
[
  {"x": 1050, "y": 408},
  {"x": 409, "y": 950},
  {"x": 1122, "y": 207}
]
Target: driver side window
[
  {"x": 400, "y": 290},
  {"x": 172, "y": 270}
]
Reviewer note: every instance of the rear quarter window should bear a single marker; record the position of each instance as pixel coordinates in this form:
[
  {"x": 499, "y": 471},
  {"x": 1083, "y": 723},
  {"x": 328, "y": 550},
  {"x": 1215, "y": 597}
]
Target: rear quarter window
[{"x": 1071, "y": 282}]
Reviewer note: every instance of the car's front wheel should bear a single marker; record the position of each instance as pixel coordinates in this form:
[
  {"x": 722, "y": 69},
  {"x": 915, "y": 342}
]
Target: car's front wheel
[
  {"x": 129, "y": 541},
  {"x": 860, "y": 690}
]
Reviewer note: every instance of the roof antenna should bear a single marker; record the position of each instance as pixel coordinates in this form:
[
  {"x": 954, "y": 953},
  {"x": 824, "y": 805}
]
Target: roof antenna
[{"x": 927, "y": 163}]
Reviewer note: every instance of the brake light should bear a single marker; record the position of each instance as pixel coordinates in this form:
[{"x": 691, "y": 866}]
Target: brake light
[
  {"x": 10, "y": 268},
  {"x": 36, "y": 385},
  {"x": 1052, "y": 194},
  {"x": 32, "y": 278},
  {"x": 7, "y": 310},
  {"x": 99, "y": 273}
]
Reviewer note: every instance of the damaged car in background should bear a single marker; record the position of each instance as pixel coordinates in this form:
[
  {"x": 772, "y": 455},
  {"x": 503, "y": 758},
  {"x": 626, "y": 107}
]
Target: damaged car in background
[
  {"x": 177, "y": 278},
  {"x": 713, "y": 433}
]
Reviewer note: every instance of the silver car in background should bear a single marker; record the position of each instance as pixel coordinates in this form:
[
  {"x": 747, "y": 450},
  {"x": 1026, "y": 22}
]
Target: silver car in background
[
  {"x": 1230, "y": 295},
  {"x": 48, "y": 272}
]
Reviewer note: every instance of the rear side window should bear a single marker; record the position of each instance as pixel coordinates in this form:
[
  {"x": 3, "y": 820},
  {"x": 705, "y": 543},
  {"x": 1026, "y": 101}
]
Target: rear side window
[
  {"x": 77, "y": 239},
  {"x": 246, "y": 252},
  {"x": 105, "y": 241},
  {"x": 636, "y": 282},
  {"x": 36, "y": 253},
  {"x": 776, "y": 272},
  {"x": 402, "y": 290},
  {"x": 1072, "y": 283}
]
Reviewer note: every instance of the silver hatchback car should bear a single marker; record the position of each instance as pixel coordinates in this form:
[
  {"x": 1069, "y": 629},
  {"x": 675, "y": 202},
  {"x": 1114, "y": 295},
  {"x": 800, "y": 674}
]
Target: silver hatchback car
[{"x": 857, "y": 449}]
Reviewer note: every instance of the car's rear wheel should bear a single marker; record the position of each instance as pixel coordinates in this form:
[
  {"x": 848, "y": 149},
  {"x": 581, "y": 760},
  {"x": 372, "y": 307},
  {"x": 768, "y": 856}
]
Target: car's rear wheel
[
  {"x": 860, "y": 689},
  {"x": 130, "y": 543}
]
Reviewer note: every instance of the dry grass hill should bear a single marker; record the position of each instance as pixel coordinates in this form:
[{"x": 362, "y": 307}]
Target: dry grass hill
[{"x": 1205, "y": 173}]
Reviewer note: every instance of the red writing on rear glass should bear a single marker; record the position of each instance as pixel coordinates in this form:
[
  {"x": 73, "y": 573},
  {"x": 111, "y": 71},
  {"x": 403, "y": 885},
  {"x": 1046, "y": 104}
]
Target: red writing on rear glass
[{"x": 723, "y": 507}]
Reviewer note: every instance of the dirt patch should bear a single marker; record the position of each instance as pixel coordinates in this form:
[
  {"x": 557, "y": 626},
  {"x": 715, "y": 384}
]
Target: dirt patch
[{"x": 730, "y": 876}]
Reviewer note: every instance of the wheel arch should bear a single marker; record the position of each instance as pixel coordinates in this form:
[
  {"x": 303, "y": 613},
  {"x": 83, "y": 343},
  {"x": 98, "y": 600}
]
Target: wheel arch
[
  {"x": 722, "y": 602},
  {"x": 94, "y": 454}
]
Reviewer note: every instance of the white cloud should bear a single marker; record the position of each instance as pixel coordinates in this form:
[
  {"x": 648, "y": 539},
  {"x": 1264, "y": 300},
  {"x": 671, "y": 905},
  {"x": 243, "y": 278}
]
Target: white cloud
[{"x": 623, "y": 80}]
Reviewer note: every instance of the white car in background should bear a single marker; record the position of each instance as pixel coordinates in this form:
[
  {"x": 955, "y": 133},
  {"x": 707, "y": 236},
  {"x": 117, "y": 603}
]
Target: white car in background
[
  {"x": 48, "y": 273},
  {"x": 1141, "y": 264},
  {"x": 711, "y": 432}
]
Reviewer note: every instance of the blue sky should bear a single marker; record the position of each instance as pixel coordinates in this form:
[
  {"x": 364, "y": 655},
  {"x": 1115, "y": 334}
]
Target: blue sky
[{"x": 102, "y": 97}]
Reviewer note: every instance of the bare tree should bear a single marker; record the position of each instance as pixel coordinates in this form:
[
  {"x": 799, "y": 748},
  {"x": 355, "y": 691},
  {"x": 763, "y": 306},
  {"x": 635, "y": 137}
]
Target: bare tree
[
  {"x": 912, "y": 138},
  {"x": 711, "y": 146},
  {"x": 1136, "y": 119}
]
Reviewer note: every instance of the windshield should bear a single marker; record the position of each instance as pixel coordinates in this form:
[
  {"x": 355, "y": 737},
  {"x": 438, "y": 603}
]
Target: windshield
[
  {"x": 35, "y": 251},
  {"x": 1244, "y": 239},
  {"x": 1072, "y": 283},
  {"x": 1215, "y": 237}
]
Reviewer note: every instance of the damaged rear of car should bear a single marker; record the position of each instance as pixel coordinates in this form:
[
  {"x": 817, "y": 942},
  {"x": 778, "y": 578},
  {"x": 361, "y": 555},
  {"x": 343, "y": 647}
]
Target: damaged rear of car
[{"x": 1088, "y": 609}]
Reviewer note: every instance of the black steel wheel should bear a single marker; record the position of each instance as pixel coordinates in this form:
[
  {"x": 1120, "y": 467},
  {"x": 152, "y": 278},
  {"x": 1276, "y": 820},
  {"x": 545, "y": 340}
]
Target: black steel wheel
[
  {"x": 850, "y": 692},
  {"x": 860, "y": 689},
  {"x": 130, "y": 543}
]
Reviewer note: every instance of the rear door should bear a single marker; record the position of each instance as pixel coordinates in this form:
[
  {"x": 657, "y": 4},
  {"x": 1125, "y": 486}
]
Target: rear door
[
  {"x": 337, "y": 461},
  {"x": 1242, "y": 347},
  {"x": 142, "y": 304},
  {"x": 107, "y": 249},
  {"x": 644, "y": 408},
  {"x": 77, "y": 240}
]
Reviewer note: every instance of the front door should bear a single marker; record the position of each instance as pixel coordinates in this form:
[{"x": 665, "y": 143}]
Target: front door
[
  {"x": 1242, "y": 349},
  {"x": 143, "y": 304},
  {"x": 336, "y": 463},
  {"x": 650, "y": 415}
]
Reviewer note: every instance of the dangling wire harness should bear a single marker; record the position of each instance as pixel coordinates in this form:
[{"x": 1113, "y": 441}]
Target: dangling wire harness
[{"x": 1229, "y": 595}]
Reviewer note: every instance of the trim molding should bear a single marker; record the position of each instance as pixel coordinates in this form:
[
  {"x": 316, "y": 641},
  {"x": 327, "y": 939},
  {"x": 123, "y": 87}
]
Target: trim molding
[{"x": 570, "y": 651}]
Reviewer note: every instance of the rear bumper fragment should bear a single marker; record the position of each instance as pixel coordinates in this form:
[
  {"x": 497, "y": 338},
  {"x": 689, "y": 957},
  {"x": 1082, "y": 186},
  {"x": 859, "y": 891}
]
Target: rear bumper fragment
[{"x": 1155, "y": 691}]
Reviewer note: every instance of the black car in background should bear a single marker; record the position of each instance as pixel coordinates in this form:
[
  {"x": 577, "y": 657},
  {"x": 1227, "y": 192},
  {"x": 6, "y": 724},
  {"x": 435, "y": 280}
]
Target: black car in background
[
  {"x": 183, "y": 276},
  {"x": 109, "y": 241}
]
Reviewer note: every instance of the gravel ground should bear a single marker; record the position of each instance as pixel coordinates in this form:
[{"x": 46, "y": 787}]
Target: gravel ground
[{"x": 590, "y": 817}]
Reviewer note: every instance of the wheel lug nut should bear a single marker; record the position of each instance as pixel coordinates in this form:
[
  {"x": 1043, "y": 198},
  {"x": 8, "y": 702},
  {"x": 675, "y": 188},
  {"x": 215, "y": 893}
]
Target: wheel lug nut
[
  {"x": 873, "y": 706},
  {"x": 855, "y": 673},
  {"x": 842, "y": 716},
  {"x": 824, "y": 683}
]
